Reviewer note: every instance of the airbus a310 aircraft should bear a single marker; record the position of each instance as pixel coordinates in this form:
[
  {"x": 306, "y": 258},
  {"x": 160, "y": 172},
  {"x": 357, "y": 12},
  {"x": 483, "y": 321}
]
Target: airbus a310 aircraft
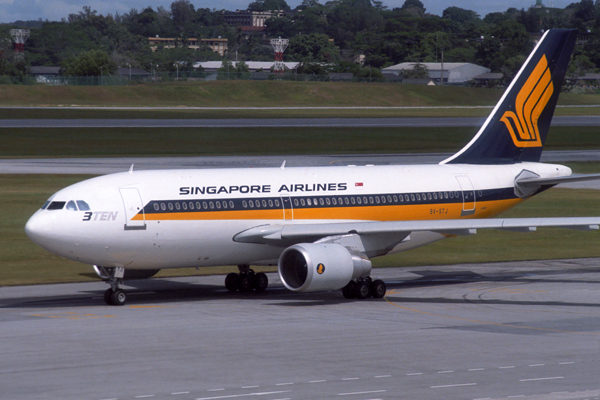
[{"x": 320, "y": 225}]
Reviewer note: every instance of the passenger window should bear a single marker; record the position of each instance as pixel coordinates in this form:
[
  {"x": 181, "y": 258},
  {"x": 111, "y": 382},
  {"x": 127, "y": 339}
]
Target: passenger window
[
  {"x": 170, "y": 205},
  {"x": 321, "y": 201},
  {"x": 191, "y": 205},
  {"x": 358, "y": 200},
  {"x": 296, "y": 202},
  {"x": 218, "y": 205},
  {"x": 71, "y": 206},
  {"x": 177, "y": 206},
  {"x": 328, "y": 201},
  {"x": 156, "y": 206},
  {"x": 352, "y": 200},
  {"x": 198, "y": 207},
  {"x": 276, "y": 203},
  {"x": 308, "y": 202},
  {"x": 56, "y": 205},
  {"x": 271, "y": 203},
  {"x": 211, "y": 205},
  {"x": 396, "y": 198},
  {"x": 418, "y": 197},
  {"x": 264, "y": 204},
  {"x": 302, "y": 202},
  {"x": 346, "y": 201},
  {"x": 428, "y": 196},
  {"x": 244, "y": 204},
  {"x": 83, "y": 206},
  {"x": 163, "y": 206},
  {"x": 334, "y": 201},
  {"x": 231, "y": 205}
]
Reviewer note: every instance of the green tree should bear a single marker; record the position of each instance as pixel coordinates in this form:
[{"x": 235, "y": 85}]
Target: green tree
[
  {"x": 312, "y": 48},
  {"x": 89, "y": 63},
  {"x": 460, "y": 15},
  {"x": 266, "y": 5}
]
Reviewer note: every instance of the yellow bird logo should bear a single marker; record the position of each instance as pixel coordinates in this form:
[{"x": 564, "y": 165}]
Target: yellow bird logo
[
  {"x": 320, "y": 269},
  {"x": 530, "y": 103}
]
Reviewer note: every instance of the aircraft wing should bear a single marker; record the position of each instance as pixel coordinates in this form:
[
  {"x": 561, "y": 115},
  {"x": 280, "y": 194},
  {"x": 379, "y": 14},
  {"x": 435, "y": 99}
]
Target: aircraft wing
[{"x": 285, "y": 235}]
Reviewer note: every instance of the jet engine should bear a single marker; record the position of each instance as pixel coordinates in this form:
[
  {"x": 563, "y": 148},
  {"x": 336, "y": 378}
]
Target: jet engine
[{"x": 312, "y": 267}]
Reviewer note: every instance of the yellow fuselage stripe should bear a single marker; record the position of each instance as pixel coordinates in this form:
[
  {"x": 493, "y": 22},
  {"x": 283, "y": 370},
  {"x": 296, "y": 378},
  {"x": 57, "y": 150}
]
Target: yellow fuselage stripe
[{"x": 483, "y": 209}]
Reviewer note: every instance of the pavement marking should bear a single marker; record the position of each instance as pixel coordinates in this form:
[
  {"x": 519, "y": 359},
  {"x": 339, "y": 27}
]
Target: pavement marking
[
  {"x": 285, "y": 384},
  {"x": 507, "y": 367},
  {"x": 320, "y": 381},
  {"x": 444, "y": 372},
  {"x": 517, "y": 395},
  {"x": 537, "y": 365},
  {"x": 477, "y": 369},
  {"x": 350, "y": 379},
  {"x": 383, "y": 376},
  {"x": 72, "y": 315},
  {"x": 541, "y": 379},
  {"x": 455, "y": 385},
  {"x": 144, "y": 396},
  {"x": 215, "y": 390},
  {"x": 567, "y": 362},
  {"x": 414, "y": 373},
  {"x": 249, "y": 387},
  {"x": 357, "y": 393},
  {"x": 234, "y": 396},
  {"x": 176, "y": 393}
]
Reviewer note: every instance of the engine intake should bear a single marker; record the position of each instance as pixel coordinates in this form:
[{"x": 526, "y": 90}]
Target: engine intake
[{"x": 311, "y": 267}]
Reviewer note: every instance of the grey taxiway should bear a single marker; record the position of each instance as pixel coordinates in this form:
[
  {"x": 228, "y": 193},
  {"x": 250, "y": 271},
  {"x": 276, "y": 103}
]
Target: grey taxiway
[{"x": 528, "y": 330}]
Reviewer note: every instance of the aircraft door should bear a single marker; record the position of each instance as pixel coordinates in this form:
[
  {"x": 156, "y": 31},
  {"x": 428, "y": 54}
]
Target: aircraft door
[
  {"x": 132, "y": 201},
  {"x": 288, "y": 211},
  {"x": 468, "y": 195}
]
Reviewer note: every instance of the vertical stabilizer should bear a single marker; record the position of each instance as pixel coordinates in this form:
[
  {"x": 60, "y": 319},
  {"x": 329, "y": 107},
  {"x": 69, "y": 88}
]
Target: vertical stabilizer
[{"x": 516, "y": 129}]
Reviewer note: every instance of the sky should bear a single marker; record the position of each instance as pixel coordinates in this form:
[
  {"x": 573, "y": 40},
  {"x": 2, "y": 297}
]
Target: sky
[{"x": 55, "y": 10}]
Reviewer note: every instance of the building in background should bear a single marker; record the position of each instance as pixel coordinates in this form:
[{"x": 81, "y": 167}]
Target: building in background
[{"x": 451, "y": 72}]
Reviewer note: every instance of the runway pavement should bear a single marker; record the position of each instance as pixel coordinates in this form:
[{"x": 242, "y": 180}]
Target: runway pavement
[
  {"x": 277, "y": 122},
  {"x": 527, "y": 330}
]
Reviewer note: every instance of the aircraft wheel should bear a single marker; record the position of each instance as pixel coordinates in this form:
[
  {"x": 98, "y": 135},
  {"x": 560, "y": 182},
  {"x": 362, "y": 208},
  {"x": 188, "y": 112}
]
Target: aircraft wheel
[
  {"x": 378, "y": 289},
  {"x": 107, "y": 294},
  {"x": 246, "y": 283},
  {"x": 118, "y": 297},
  {"x": 349, "y": 290},
  {"x": 232, "y": 282},
  {"x": 261, "y": 282},
  {"x": 362, "y": 290}
]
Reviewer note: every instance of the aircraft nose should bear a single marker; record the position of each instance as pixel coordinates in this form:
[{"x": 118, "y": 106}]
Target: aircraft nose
[{"x": 39, "y": 228}]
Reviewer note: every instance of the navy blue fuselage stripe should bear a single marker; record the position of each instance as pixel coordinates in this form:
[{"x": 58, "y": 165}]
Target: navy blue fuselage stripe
[{"x": 335, "y": 201}]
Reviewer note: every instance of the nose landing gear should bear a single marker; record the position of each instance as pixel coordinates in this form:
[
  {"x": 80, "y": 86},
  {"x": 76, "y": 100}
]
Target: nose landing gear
[{"x": 113, "y": 296}]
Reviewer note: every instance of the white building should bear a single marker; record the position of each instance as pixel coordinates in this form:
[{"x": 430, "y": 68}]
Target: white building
[
  {"x": 252, "y": 65},
  {"x": 453, "y": 72}
]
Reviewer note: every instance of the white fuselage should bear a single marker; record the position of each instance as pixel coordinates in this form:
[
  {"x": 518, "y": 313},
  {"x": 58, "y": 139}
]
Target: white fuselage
[{"x": 188, "y": 218}]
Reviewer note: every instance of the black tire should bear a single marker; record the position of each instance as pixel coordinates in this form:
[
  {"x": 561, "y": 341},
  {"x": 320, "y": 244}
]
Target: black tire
[
  {"x": 107, "y": 294},
  {"x": 261, "y": 282},
  {"x": 118, "y": 297},
  {"x": 378, "y": 289},
  {"x": 232, "y": 282},
  {"x": 349, "y": 289},
  {"x": 246, "y": 282},
  {"x": 362, "y": 290}
]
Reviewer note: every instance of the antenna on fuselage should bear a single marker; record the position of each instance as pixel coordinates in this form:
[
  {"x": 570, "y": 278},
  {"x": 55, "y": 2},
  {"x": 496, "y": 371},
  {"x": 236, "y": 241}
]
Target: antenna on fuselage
[
  {"x": 131, "y": 169},
  {"x": 283, "y": 165}
]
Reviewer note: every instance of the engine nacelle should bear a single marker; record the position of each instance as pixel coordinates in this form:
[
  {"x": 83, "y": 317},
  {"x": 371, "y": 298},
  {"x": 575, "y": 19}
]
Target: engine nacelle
[{"x": 311, "y": 267}]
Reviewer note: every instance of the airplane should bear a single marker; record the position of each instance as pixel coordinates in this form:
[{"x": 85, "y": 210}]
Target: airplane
[{"x": 320, "y": 225}]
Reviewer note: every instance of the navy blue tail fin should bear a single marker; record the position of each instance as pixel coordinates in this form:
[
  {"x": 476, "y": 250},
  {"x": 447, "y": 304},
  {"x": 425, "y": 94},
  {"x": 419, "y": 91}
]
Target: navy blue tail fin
[{"x": 516, "y": 129}]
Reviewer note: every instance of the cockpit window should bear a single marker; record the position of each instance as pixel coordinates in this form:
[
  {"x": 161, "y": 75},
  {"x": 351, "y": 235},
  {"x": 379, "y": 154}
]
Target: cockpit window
[
  {"x": 56, "y": 205},
  {"x": 71, "y": 206},
  {"x": 45, "y": 205},
  {"x": 83, "y": 206}
]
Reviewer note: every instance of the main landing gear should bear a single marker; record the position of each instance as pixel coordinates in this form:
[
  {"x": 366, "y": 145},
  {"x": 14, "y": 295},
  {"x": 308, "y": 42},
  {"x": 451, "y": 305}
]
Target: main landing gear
[
  {"x": 246, "y": 280},
  {"x": 363, "y": 288},
  {"x": 113, "y": 295}
]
